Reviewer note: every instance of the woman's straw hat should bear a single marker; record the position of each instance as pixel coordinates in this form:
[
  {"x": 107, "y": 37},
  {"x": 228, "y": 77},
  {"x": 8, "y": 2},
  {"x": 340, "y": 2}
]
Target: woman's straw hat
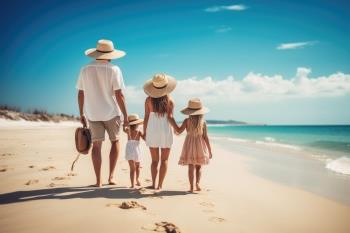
[
  {"x": 134, "y": 119},
  {"x": 160, "y": 85},
  {"x": 195, "y": 107},
  {"x": 104, "y": 50}
]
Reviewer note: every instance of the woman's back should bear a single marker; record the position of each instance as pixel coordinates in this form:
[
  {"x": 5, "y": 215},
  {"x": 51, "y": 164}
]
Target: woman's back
[{"x": 159, "y": 132}]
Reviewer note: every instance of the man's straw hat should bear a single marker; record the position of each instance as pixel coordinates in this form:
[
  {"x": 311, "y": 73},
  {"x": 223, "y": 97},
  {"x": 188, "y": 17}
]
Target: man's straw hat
[
  {"x": 194, "y": 107},
  {"x": 160, "y": 85},
  {"x": 134, "y": 119},
  {"x": 104, "y": 50}
]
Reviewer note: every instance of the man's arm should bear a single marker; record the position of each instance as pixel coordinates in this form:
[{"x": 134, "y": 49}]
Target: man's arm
[
  {"x": 146, "y": 117},
  {"x": 81, "y": 107},
  {"x": 121, "y": 103}
]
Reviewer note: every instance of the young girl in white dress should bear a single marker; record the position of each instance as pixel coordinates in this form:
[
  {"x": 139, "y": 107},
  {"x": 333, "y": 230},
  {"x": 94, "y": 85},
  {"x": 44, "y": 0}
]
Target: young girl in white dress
[
  {"x": 132, "y": 149},
  {"x": 159, "y": 135}
]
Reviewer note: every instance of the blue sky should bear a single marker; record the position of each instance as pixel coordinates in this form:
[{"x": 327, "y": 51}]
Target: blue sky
[{"x": 253, "y": 43}]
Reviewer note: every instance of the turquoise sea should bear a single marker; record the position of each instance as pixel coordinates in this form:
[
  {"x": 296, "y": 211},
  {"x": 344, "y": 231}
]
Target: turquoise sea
[
  {"x": 328, "y": 138},
  {"x": 331, "y": 141},
  {"x": 313, "y": 158}
]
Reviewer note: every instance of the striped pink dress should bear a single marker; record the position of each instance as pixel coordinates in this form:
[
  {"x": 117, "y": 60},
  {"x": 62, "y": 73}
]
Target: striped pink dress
[{"x": 194, "y": 150}]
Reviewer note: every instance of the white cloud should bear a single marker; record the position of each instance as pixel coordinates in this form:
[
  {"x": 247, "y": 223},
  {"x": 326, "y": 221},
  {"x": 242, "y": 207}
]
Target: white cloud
[
  {"x": 223, "y": 29},
  {"x": 295, "y": 45},
  {"x": 238, "y": 7},
  {"x": 255, "y": 87}
]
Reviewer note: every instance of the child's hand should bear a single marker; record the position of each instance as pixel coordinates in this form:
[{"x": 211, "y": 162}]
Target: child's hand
[{"x": 210, "y": 155}]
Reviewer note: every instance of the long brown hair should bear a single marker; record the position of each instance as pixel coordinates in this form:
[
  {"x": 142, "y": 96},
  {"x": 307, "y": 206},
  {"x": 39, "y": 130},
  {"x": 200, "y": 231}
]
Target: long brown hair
[
  {"x": 196, "y": 124},
  {"x": 160, "y": 105}
]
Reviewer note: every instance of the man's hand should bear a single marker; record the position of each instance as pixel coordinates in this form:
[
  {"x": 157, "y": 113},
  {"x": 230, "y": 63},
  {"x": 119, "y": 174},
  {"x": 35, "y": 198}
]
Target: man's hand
[{"x": 83, "y": 120}]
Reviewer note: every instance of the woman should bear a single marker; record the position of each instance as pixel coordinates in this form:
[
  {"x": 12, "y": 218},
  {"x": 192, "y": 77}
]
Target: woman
[{"x": 157, "y": 128}]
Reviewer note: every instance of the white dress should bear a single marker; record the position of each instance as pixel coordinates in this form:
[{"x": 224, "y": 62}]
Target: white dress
[
  {"x": 159, "y": 132},
  {"x": 132, "y": 149}
]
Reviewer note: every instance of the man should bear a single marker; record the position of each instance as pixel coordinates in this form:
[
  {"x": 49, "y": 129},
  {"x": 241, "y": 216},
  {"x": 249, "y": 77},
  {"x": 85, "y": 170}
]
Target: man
[{"x": 101, "y": 103}]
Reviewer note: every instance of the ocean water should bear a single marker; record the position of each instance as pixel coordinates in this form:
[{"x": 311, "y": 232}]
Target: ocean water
[
  {"x": 313, "y": 158},
  {"x": 330, "y": 144}
]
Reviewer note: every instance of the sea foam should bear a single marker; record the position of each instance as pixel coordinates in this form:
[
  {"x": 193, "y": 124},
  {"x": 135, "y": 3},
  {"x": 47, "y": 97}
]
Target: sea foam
[{"x": 340, "y": 165}]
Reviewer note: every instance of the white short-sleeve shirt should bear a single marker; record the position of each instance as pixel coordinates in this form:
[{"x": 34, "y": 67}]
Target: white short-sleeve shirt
[{"x": 99, "y": 80}]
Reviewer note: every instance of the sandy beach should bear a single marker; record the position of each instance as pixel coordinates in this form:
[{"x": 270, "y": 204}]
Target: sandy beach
[{"x": 38, "y": 193}]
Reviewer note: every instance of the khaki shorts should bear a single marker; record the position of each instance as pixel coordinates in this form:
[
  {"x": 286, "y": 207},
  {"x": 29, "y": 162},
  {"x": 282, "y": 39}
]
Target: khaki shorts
[{"x": 98, "y": 129}]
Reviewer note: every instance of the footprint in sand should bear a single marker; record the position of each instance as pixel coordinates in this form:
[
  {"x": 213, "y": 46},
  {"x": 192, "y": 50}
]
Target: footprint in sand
[
  {"x": 127, "y": 205},
  {"x": 48, "y": 168},
  {"x": 60, "y": 178},
  {"x": 4, "y": 168},
  {"x": 31, "y": 182},
  {"x": 156, "y": 195},
  {"x": 217, "y": 219},
  {"x": 162, "y": 227},
  {"x": 208, "y": 211},
  {"x": 31, "y": 166},
  {"x": 207, "y": 204},
  {"x": 52, "y": 185},
  {"x": 7, "y": 154},
  {"x": 142, "y": 191},
  {"x": 150, "y": 193},
  {"x": 72, "y": 174}
]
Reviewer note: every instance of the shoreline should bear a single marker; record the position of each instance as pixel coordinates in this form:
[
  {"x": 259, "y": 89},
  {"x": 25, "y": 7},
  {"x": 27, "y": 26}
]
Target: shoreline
[
  {"x": 232, "y": 199},
  {"x": 295, "y": 167}
]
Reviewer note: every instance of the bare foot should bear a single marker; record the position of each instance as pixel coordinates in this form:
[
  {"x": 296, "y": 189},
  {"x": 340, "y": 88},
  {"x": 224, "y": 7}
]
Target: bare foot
[
  {"x": 151, "y": 187},
  {"x": 97, "y": 185},
  {"x": 138, "y": 183},
  {"x": 111, "y": 182},
  {"x": 198, "y": 188},
  {"x": 132, "y": 186}
]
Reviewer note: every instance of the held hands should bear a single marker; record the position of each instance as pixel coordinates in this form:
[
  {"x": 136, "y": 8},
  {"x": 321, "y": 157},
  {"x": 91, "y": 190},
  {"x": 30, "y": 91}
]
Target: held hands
[
  {"x": 126, "y": 122},
  {"x": 83, "y": 121}
]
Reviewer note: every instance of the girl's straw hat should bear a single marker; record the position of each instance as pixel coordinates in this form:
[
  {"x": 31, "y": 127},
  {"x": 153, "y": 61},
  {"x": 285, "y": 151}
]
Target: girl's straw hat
[
  {"x": 134, "y": 119},
  {"x": 195, "y": 107},
  {"x": 160, "y": 85},
  {"x": 104, "y": 50}
]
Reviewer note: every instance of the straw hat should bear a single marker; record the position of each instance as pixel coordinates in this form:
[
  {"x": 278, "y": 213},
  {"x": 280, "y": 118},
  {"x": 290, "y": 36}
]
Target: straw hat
[
  {"x": 134, "y": 119},
  {"x": 160, "y": 85},
  {"x": 104, "y": 50},
  {"x": 195, "y": 107}
]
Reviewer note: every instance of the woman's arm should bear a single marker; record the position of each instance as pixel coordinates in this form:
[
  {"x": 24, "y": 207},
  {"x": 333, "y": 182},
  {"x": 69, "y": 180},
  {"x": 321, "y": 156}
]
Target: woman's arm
[
  {"x": 142, "y": 135},
  {"x": 171, "y": 118},
  {"x": 206, "y": 139},
  {"x": 145, "y": 120},
  {"x": 182, "y": 127}
]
